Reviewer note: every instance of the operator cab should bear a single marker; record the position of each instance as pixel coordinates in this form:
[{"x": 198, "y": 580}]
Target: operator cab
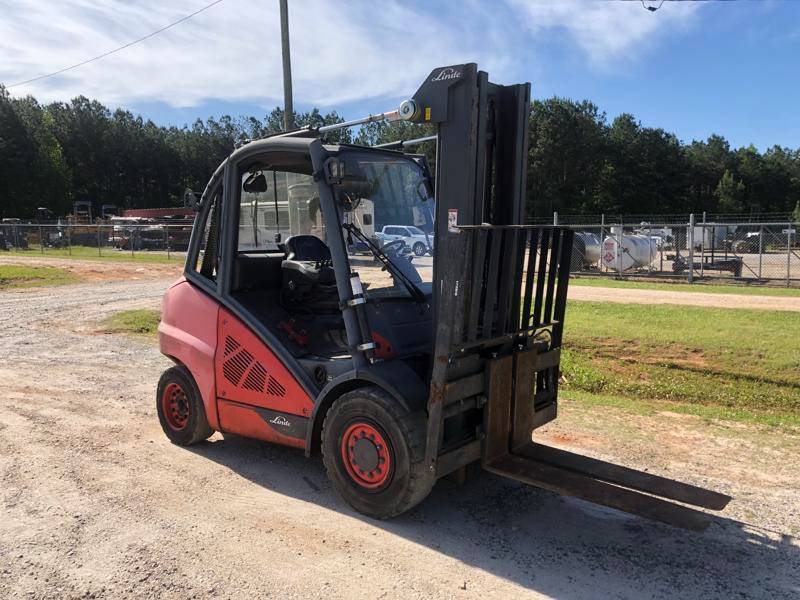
[{"x": 285, "y": 273}]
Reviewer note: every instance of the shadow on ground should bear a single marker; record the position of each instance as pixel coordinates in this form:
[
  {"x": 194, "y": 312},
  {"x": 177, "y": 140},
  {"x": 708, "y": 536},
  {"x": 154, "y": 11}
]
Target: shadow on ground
[{"x": 553, "y": 545}]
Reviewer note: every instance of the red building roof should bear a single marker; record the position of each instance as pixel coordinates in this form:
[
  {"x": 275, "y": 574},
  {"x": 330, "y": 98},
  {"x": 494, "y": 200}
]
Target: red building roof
[{"x": 154, "y": 213}]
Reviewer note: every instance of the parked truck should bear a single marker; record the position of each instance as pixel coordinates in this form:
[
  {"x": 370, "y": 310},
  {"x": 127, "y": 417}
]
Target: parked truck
[{"x": 416, "y": 240}]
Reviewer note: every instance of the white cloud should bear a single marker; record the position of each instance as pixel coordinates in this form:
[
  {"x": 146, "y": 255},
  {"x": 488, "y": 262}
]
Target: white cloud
[
  {"x": 341, "y": 51},
  {"x": 606, "y": 31}
]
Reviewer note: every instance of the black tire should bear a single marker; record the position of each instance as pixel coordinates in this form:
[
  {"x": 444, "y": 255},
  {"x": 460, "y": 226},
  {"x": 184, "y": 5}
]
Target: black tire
[
  {"x": 419, "y": 249},
  {"x": 180, "y": 408},
  {"x": 408, "y": 481}
]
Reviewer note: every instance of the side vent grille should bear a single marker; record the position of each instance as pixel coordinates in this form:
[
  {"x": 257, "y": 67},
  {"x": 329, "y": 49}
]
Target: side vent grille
[
  {"x": 255, "y": 378},
  {"x": 242, "y": 370},
  {"x": 231, "y": 345},
  {"x": 275, "y": 388},
  {"x": 235, "y": 367}
]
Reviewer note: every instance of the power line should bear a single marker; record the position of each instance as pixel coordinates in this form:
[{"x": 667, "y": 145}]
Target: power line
[{"x": 115, "y": 50}]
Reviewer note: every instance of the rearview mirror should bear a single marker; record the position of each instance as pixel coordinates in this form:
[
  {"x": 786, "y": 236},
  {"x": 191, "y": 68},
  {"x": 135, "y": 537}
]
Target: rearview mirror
[
  {"x": 255, "y": 183},
  {"x": 360, "y": 187},
  {"x": 353, "y": 184}
]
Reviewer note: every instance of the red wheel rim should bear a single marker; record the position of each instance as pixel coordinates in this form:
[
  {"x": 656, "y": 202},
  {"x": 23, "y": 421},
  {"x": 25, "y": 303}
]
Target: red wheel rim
[
  {"x": 367, "y": 455},
  {"x": 175, "y": 405}
]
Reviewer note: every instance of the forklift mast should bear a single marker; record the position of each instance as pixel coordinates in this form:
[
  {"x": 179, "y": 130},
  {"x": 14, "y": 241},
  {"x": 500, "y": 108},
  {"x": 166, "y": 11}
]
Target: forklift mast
[
  {"x": 482, "y": 145},
  {"x": 500, "y": 291},
  {"x": 487, "y": 309}
]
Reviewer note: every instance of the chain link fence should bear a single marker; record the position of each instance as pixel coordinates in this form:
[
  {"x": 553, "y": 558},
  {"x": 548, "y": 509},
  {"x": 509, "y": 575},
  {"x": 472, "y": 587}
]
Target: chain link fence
[
  {"x": 156, "y": 242},
  {"x": 746, "y": 252},
  {"x": 691, "y": 251}
]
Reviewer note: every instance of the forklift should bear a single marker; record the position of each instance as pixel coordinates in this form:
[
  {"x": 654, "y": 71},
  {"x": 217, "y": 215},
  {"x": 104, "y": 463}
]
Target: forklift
[{"x": 398, "y": 370}]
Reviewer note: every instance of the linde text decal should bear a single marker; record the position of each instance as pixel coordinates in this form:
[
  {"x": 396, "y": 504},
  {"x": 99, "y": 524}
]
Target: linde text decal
[
  {"x": 280, "y": 420},
  {"x": 445, "y": 74}
]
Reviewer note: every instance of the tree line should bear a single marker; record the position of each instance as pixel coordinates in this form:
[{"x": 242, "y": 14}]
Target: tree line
[{"x": 579, "y": 163}]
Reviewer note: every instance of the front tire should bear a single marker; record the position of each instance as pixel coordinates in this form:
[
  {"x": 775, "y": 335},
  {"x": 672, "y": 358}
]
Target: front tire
[
  {"x": 180, "y": 408},
  {"x": 373, "y": 451}
]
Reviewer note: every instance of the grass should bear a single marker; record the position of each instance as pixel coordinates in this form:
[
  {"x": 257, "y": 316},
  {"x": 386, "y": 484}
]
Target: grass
[
  {"x": 18, "y": 276},
  {"x": 734, "y": 364},
  {"x": 108, "y": 254},
  {"x": 706, "y": 288},
  {"x": 136, "y": 322}
]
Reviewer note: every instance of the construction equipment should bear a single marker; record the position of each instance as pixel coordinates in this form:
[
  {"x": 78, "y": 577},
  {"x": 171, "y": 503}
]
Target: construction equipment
[{"x": 398, "y": 372}]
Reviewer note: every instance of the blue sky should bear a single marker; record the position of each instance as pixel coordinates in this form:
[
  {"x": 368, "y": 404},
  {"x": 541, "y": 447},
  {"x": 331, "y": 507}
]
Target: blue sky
[{"x": 692, "y": 68}]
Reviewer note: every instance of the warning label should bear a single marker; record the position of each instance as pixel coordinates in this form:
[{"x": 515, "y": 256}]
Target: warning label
[{"x": 452, "y": 220}]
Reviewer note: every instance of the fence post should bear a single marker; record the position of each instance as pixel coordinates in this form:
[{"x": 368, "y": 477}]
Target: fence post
[
  {"x": 16, "y": 238},
  {"x": 788, "y": 254},
  {"x": 619, "y": 252},
  {"x": 690, "y": 244},
  {"x": 41, "y": 239},
  {"x": 760, "y": 250},
  {"x": 99, "y": 253},
  {"x": 555, "y": 219},
  {"x": 133, "y": 240},
  {"x": 69, "y": 240},
  {"x": 602, "y": 238},
  {"x": 703, "y": 245},
  {"x": 166, "y": 239}
]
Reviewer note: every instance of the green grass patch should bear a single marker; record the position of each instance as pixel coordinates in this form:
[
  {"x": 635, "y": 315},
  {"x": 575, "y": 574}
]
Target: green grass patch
[
  {"x": 106, "y": 254},
  {"x": 706, "y": 288},
  {"x": 643, "y": 406},
  {"x": 138, "y": 322},
  {"x": 737, "y": 364},
  {"x": 17, "y": 276}
]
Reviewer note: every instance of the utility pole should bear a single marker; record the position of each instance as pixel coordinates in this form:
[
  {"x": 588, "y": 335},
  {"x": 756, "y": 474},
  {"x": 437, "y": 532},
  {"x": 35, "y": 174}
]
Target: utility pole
[{"x": 288, "y": 110}]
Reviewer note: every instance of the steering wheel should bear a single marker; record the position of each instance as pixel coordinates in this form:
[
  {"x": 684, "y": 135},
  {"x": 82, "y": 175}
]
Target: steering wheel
[
  {"x": 392, "y": 249},
  {"x": 350, "y": 203}
]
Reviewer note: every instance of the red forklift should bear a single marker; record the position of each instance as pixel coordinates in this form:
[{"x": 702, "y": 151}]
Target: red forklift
[{"x": 397, "y": 369}]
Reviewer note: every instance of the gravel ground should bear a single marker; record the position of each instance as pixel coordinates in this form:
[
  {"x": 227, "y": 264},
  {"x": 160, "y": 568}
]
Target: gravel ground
[{"x": 97, "y": 503}]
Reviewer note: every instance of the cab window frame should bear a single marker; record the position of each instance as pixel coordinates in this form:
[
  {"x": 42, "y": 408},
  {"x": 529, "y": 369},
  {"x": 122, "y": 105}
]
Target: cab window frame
[
  {"x": 268, "y": 163},
  {"x": 214, "y": 195}
]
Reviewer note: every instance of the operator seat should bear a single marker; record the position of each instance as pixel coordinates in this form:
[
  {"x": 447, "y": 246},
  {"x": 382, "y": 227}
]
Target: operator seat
[
  {"x": 307, "y": 248},
  {"x": 309, "y": 282}
]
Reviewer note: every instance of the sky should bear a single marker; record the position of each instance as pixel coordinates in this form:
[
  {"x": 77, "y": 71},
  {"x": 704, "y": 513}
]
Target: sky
[{"x": 692, "y": 68}]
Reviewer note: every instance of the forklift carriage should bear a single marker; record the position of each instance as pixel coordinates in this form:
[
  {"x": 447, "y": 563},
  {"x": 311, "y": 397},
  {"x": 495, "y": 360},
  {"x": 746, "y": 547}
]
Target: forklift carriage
[{"x": 398, "y": 369}]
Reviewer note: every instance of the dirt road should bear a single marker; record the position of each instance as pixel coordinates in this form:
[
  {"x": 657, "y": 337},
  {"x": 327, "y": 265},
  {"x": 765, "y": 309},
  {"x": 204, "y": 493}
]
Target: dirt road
[
  {"x": 687, "y": 298},
  {"x": 96, "y": 502},
  {"x": 99, "y": 270},
  {"x": 119, "y": 270}
]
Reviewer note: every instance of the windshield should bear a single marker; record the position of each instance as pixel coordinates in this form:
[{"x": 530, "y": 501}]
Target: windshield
[{"x": 390, "y": 200}]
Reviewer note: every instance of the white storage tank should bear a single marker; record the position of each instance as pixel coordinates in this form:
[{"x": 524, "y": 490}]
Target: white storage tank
[
  {"x": 585, "y": 251},
  {"x": 635, "y": 251}
]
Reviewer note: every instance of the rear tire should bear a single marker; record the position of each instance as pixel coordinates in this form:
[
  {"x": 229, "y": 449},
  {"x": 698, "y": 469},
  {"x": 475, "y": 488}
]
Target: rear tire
[
  {"x": 373, "y": 451},
  {"x": 180, "y": 408},
  {"x": 420, "y": 249}
]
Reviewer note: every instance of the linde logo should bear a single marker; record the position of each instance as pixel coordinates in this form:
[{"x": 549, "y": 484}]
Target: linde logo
[
  {"x": 445, "y": 74},
  {"x": 280, "y": 420}
]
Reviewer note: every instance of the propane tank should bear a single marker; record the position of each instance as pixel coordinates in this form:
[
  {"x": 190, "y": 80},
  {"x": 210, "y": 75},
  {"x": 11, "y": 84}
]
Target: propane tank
[
  {"x": 636, "y": 251},
  {"x": 585, "y": 251}
]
